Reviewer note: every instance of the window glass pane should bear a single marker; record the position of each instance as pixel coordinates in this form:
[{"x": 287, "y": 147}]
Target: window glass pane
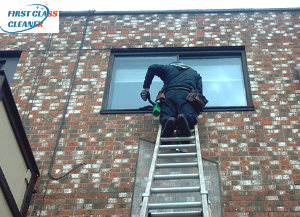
[
  {"x": 222, "y": 78},
  {"x": 9, "y": 65},
  {"x": 128, "y": 76}
]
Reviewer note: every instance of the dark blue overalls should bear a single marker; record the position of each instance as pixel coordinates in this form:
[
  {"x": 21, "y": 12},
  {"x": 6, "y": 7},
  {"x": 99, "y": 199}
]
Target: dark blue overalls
[{"x": 178, "y": 82}]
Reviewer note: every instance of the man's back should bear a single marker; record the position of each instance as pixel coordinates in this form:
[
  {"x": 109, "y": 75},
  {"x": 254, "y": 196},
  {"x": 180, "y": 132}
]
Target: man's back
[{"x": 173, "y": 77}]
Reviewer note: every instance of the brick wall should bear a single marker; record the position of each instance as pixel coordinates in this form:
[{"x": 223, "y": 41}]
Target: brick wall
[{"x": 258, "y": 151}]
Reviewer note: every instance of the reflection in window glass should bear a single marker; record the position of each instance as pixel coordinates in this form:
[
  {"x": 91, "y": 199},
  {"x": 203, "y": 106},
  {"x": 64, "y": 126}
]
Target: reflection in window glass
[
  {"x": 128, "y": 76},
  {"x": 222, "y": 78}
]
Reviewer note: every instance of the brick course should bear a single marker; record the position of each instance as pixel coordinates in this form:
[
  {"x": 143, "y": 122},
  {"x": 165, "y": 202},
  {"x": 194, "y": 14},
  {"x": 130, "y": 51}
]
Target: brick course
[{"x": 258, "y": 151}]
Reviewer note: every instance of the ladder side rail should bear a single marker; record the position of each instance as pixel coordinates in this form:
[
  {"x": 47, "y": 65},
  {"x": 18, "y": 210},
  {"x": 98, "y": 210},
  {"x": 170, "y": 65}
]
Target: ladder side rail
[
  {"x": 145, "y": 203},
  {"x": 203, "y": 191}
]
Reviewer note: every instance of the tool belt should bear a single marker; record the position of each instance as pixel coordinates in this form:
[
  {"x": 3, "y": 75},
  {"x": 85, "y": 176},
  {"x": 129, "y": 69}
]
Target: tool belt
[
  {"x": 161, "y": 94},
  {"x": 197, "y": 100}
]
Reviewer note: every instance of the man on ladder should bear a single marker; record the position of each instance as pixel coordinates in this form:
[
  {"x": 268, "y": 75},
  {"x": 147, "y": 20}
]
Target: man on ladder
[
  {"x": 179, "y": 80},
  {"x": 178, "y": 110}
]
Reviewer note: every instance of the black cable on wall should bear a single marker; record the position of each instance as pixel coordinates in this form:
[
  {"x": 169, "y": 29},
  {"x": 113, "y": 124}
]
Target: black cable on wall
[{"x": 62, "y": 123}]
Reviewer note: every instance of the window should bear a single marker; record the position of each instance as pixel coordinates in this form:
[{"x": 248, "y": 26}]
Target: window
[
  {"x": 8, "y": 63},
  {"x": 223, "y": 70},
  {"x": 18, "y": 169}
]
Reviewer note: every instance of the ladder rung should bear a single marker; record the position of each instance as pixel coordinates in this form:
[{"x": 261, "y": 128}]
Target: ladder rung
[
  {"x": 177, "y": 146},
  {"x": 193, "y": 154},
  {"x": 191, "y": 130},
  {"x": 176, "y": 165},
  {"x": 176, "y": 176},
  {"x": 171, "y": 214},
  {"x": 176, "y": 139},
  {"x": 174, "y": 205},
  {"x": 175, "y": 190}
]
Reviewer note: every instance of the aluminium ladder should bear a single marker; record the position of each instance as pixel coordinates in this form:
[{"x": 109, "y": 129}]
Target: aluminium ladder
[{"x": 199, "y": 208}]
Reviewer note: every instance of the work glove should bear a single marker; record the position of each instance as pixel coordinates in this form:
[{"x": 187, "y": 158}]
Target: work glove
[{"x": 145, "y": 94}]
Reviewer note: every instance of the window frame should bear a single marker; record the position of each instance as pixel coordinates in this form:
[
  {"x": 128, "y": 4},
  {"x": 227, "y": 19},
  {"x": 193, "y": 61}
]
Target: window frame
[
  {"x": 16, "y": 123},
  {"x": 9, "y": 62},
  {"x": 181, "y": 53}
]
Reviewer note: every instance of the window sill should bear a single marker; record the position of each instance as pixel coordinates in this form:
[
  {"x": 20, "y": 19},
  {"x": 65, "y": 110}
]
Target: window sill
[{"x": 208, "y": 109}]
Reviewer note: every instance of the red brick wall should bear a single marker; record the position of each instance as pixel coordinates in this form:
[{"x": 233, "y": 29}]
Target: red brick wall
[{"x": 258, "y": 151}]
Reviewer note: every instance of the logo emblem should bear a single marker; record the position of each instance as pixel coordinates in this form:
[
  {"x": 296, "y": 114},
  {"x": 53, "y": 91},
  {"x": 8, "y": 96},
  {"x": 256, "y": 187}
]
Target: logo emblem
[{"x": 33, "y": 18}]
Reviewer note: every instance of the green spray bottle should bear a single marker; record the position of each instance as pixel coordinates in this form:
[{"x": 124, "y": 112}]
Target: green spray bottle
[{"x": 156, "y": 107}]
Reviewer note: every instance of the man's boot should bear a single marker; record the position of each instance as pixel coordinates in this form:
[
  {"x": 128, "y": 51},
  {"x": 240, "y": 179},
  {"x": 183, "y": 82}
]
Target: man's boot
[
  {"x": 183, "y": 125},
  {"x": 169, "y": 127}
]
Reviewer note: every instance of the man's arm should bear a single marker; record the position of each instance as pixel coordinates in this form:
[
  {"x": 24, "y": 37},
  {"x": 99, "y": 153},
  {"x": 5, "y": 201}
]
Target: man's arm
[{"x": 155, "y": 69}]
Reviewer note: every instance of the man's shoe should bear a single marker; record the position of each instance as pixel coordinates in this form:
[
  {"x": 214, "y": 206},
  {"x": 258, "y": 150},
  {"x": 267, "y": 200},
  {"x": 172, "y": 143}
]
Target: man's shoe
[
  {"x": 168, "y": 130},
  {"x": 183, "y": 125}
]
